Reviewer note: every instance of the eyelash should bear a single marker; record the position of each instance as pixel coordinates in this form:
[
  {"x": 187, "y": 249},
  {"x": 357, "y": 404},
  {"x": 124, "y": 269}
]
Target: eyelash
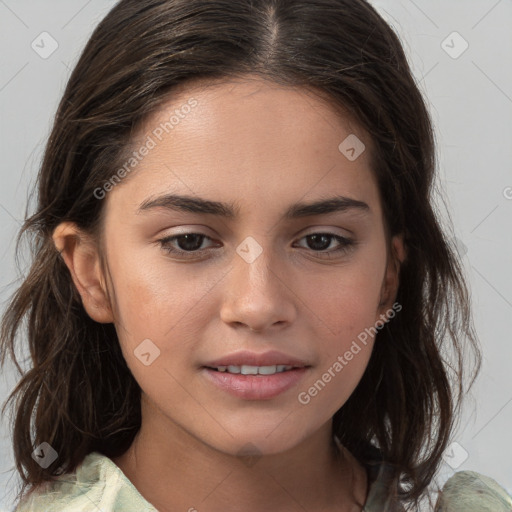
[{"x": 346, "y": 244}]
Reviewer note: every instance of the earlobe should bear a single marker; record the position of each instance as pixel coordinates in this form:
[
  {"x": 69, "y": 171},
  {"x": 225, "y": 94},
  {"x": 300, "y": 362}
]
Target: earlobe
[{"x": 80, "y": 254}]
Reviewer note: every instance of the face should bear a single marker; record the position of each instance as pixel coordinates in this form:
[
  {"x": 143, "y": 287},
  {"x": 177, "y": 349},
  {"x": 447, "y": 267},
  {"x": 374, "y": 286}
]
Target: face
[{"x": 256, "y": 279}]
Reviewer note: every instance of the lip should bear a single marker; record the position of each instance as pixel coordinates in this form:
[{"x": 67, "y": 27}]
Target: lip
[
  {"x": 255, "y": 387},
  {"x": 246, "y": 357}
]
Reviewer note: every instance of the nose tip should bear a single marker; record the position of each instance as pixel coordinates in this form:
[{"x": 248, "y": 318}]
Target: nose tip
[{"x": 255, "y": 298}]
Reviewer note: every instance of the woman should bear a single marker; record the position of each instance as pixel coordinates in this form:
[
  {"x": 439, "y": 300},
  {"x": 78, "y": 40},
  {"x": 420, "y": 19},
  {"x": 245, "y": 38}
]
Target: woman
[{"x": 291, "y": 356}]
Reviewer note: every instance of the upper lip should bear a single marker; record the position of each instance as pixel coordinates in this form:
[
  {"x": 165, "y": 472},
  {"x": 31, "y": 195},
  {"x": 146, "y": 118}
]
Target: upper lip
[{"x": 245, "y": 357}]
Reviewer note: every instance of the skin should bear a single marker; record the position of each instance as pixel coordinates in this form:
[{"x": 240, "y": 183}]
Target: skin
[{"x": 263, "y": 147}]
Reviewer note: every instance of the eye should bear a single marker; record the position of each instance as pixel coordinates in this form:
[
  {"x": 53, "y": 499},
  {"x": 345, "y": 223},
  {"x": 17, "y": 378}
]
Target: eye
[
  {"x": 321, "y": 241},
  {"x": 191, "y": 243}
]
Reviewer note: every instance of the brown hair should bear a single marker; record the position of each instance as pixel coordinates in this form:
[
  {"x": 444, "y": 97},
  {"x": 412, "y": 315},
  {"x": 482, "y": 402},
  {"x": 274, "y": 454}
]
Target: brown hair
[{"x": 79, "y": 391}]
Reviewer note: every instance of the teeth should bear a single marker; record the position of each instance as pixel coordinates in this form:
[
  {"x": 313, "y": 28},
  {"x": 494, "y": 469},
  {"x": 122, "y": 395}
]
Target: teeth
[
  {"x": 249, "y": 370},
  {"x": 267, "y": 370},
  {"x": 254, "y": 370}
]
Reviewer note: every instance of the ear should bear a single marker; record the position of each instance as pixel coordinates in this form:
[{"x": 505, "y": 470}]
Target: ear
[
  {"x": 80, "y": 253},
  {"x": 391, "y": 280}
]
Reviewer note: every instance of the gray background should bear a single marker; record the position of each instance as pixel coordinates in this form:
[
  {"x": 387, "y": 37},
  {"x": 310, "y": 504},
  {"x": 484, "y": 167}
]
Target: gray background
[{"x": 470, "y": 97}]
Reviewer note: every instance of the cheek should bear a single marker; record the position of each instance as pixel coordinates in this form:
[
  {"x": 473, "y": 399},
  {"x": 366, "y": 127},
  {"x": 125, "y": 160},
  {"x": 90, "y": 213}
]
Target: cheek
[
  {"x": 347, "y": 310},
  {"x": 157, "y": 299},
  {"x": 346, "y": 300},
  {"x": 161, "y": 304}
]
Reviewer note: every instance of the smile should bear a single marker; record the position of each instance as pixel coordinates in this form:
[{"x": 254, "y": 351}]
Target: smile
[
  {"x": 252, "y": 383},
  {"x": 253, "y": 370}
]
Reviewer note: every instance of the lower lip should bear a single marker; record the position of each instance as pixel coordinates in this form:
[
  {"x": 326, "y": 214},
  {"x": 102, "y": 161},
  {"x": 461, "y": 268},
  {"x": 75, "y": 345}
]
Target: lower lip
[{"x": 255, "y": 387}]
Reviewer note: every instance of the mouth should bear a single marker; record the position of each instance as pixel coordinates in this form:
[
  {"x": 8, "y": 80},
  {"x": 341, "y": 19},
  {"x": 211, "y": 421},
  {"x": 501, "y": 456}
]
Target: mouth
[
  {"x": 253, "y": 370},
  {"x": 254, "y": 382},
  {"x": 255, "y": 375}
]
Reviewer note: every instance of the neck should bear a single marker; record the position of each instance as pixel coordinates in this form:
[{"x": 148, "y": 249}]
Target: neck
[{"x": 176, "y": 471}]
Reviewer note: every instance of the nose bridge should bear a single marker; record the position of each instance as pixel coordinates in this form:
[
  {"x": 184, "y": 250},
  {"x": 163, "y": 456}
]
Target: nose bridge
[
  {"x": 254, "y": 259},
  {"x": 255, "y": 296}
]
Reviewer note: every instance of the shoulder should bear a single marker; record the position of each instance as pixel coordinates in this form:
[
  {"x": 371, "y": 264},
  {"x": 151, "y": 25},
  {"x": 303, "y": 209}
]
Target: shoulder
[
  {"x": 469, "y": 491},
  {"x": 97, "y": 484}
]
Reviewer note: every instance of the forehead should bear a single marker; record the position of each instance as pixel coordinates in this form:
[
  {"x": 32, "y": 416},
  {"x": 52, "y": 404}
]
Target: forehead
[
  {"x": 247, "y": 106},
  {"x": 253, "y": 139}
]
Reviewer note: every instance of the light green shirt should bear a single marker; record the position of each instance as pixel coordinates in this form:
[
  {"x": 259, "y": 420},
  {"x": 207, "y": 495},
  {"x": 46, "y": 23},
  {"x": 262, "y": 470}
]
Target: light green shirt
[{"x": 99, "y": 485}]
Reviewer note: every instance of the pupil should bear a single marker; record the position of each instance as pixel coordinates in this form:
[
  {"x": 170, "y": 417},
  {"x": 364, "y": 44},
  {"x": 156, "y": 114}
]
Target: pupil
[
  {"x": 316, "y": 238},
  {"x": 188, "y": 246}
]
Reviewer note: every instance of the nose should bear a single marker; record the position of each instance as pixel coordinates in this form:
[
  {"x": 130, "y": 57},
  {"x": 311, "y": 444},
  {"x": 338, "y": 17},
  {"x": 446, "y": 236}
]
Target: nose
[{"x": 258, "y": 291}]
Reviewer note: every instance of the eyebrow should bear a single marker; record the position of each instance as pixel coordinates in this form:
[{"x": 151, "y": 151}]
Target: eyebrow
[{"x": 232, "y": 210}]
